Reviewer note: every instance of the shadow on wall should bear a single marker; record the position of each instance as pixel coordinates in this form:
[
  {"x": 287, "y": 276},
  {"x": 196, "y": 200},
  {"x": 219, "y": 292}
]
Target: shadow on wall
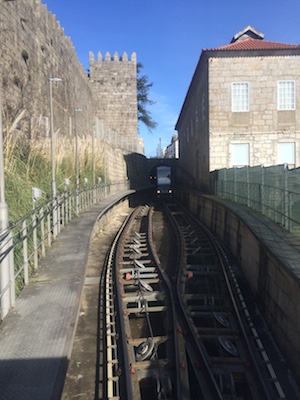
[{"x": 136, "y": 168}]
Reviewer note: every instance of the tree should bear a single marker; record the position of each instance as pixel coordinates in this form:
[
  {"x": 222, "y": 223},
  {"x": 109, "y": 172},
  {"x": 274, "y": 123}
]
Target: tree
[{"x": 143, "y": 100}]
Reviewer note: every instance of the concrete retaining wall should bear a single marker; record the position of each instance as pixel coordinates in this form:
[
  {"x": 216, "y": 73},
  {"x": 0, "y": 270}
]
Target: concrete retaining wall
[{"x": 270, "y": 260}]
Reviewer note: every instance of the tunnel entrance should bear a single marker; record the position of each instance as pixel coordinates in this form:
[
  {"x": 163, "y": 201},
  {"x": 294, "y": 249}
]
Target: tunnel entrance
[{"x": 161, "y": 178}]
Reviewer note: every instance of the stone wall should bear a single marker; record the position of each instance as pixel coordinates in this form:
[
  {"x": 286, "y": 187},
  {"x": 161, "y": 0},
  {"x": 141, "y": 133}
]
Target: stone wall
[
  {"x": 121, "y": 165},
  {"x": 114, "y": 86},
  {"x": 33, "y": 49}
]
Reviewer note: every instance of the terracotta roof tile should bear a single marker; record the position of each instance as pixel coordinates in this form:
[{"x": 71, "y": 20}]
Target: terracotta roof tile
[{"x": 255, "y": 44}]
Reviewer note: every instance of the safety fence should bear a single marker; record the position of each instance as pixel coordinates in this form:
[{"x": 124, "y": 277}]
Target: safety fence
[
  {"x": 273, "y": 191},
  {"x": 24, "y": 243}
]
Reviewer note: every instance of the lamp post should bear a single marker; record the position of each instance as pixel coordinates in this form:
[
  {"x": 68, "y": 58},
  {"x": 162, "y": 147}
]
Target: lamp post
[
  {"x": 3, "y": 205},
  {"x": 77, "y": 161},
  {"x": 53, "y": 181},
  {"x": 93, "y": 156},
  {"x": 5, "y": 264},
  {"x": 93, "y": 163}
]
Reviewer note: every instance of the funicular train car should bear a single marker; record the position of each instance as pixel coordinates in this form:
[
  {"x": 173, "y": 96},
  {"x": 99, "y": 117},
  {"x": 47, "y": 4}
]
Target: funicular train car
[{"x": 164, "y": 182}]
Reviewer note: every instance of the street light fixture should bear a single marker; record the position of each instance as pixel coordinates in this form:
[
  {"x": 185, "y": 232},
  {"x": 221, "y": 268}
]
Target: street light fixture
[
  {"x": 53, "y": 181},
  {"x": 77, "y": 161}
]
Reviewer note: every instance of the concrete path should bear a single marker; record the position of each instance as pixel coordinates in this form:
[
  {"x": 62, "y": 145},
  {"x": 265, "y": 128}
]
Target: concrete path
[{"x": 36, "y": 337}]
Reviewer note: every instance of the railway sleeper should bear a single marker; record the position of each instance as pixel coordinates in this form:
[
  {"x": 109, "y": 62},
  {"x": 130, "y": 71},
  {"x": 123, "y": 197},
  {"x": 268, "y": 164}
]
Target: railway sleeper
[
  {"x": 147, "y": 296},
  {"x": 136, "y": 261},
  {"x": 202, "y": 268},
  {"x": 132, "y": 275},
  {"x": 135, "y": 255},
  {"x": 139, "y": 311}
]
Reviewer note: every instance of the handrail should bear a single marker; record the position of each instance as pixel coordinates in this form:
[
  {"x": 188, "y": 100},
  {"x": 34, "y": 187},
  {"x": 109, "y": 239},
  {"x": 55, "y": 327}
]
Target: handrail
[{"x": 24, "y": 242}]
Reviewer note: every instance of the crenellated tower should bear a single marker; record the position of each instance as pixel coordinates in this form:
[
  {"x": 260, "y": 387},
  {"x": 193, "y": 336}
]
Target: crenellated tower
[{"x": 113, "y": 82}]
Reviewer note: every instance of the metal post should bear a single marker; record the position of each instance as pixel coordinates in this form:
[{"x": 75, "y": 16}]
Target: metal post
[
  {"x": 225, "y": 184},
  {"x": 54, "y": 211},
  {"x": 66, "y": 200},
  {"x": 93, "y": 164},
  {"x": 104, "y": 155},
  {"x": 49, "y": 229},
  {"x": 25, "y": 253},
  {"x": 234, "y": 186},
  {"x": 62, "y": 210},
  {"x": 70, "y": 206},
  {"x": 263, "y": 206},
  {"x": 77, "y": 162},
  {"x": 286, "y": 202},
  {"x": 248, "y": 186},
  {"x": 5, "y": 265},
  {"x": 36, "y": 195},
  {"x": 35, "y": 247},
  {"x": 43, "y": 231}
]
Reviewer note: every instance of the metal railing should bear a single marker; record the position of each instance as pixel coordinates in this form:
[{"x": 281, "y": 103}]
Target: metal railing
[
  {"x": 272, "y": 191},
  {"x": 25, "y": 242}
]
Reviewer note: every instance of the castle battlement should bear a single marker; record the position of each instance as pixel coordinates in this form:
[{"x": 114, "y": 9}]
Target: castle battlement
[
  {"x": 115, "y": 58},
  {"x": 113, "y": 82}
]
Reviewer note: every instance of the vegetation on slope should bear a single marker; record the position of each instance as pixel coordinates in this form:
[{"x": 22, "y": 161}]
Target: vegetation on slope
[{"x": 28, "y": 165}]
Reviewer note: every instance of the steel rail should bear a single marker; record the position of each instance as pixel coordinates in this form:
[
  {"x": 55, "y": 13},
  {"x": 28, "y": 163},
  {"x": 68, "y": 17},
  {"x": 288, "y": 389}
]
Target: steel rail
[
  {"x": 172, "y": 305},
  {"x": 208, "y": 385},
  {"x": 273, "y": 377},
  {"x": 112, "y": 389},
  {"x": 164, "y": 368}
]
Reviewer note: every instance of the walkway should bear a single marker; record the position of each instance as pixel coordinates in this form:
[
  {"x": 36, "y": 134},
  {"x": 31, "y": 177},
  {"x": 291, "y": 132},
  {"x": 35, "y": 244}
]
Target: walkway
[{"x": 36, "y": 338}]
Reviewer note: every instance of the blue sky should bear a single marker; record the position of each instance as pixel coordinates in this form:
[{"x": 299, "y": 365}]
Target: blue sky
[{"x": 168, "y": 36}]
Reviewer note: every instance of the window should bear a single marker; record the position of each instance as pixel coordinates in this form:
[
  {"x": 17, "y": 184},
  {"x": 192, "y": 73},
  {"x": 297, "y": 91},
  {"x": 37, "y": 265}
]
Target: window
[
  {"x": 286, "y": 153},
  {"x": 240, "y": 155},
  {"x": 240, "y": 97},
  {"x": 286, "y": 95}
]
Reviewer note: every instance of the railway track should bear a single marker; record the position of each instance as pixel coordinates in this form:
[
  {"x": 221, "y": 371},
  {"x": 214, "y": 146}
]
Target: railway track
[
  {"x": 142, "y": 349},
  {"x": 226, "y": 355},
  {"x": 192, "y": 339}
]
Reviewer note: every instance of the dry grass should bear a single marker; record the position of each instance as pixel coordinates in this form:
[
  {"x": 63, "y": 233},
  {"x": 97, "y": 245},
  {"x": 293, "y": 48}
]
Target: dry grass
[{"x": 28, "y": 164}]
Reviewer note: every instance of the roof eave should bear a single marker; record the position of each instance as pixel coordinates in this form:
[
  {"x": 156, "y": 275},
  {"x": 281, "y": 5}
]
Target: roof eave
[{"x": 252, "y": 52}]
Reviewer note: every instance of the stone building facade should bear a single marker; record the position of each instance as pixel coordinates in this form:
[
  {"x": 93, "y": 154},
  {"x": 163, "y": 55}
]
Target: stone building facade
[
  {"x": 113, "y": 82},
  {"x": 242, "y": 107},
  {"x": 172, "y": 150}
]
